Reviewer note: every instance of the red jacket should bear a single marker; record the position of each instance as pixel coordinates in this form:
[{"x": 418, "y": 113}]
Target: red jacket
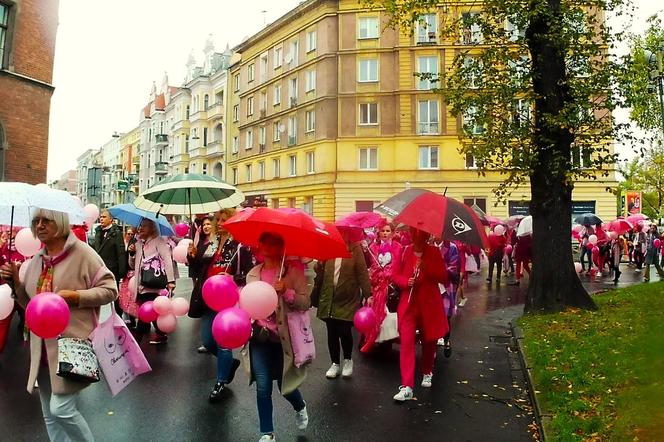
[
  {"x": 497, "y": 244},
  {"x": 425, "y": 294}
]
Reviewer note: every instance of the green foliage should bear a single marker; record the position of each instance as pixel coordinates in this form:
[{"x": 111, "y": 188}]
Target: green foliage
[
  {"x": 639, "y": 89},
  {"x": 599, "y": 373},
  {"x": 647, "y": 175},
  {"x": 491, "y": 83}
]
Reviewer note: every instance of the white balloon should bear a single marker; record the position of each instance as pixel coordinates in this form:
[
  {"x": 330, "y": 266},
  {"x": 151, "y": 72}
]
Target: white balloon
[
  {"x": 499, "y": 230},
  {"x": 23, "y": 270},
  {"x": 91, "y": 212},
  {"x": 26, "y": 243},
  {"x": 6, "y": 301},
  {"x": 180, "y": 254},
  {"x": 592, "y": 239}
]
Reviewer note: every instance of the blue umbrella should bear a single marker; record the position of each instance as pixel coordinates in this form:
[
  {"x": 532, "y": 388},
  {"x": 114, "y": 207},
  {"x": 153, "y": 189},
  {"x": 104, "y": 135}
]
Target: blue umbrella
[{"x": 130, "y": 214}]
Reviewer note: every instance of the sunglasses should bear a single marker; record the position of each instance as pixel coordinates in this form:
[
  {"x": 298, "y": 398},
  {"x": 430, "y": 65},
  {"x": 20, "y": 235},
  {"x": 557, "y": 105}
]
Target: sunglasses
[{"x": 43, "y": 220}]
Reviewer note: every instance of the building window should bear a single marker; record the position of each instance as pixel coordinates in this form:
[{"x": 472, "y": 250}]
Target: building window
[
  {"x": 250, "y": 73},
  {"x": 236, "y": 113},
  {"x": 248, "y": 172},
  {"x": 428, "y": 157},
  {"x": 368, "y": 70},
  {"x": 367, "y": 28},
  {"x": 261, "y": 136},
  {"x": 263, "y": 104},
  {"x": 206, "y": 102},
  {"x": 4, "y": 32},
  {"x": 205, "y": 136},
  {"x": 292, "y": 131},
  {"x": 427, "y": 29},
  {"x": 263, "y": 68},
  {"x": 277, "y": 95},
  {"x": 278, "y": 56},
  {"x": 428, "y": 70},
  {"x": 311, "y": 162},
  {"x": 261, "y": 170},
  {"x": 204, "y": 170},
  {"x": 276, "y": 167},
  {"x": 292, "y": 165},
  {"x": 580, "y": 157},
  {"x": 186, "y": 117},
  {"x": 470, "y": 162},
  {"x": 368, "y": 158},
  {"x": 479, "y": 202},
  {"x": 292, "y": 92},
  {"x": 291, "y": 203},
  {"x": 275, "y": 203},
  {"x": 250, "y": 106},
  {"x": 311, "y": 41},
  {"x": 513, "y": 31},
  {"x": 293, "y": 55},
  {"x": 236, "y": 82},
  {"x": 308, "y": 205},
  {"x": 471, "y": 32},
  {"x": 428, "y": 117},
  {"x": 234, "y": 175},
  {"x": 368, "y": 113},
  {"x": 276, "y": 129},
  {"x": 310, "y": 81},
  {"x": 472, "y": 68},
  {"x": 521, "y": 115},
  {"x": 236, "y": 145},
  {"x": 470, "y": 124},
  {"x": 250, "y": 139},
  {"x": 310, "y": 121}
]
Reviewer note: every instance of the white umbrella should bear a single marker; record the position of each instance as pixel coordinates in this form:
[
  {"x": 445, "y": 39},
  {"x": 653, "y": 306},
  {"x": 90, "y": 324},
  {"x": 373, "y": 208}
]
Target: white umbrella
[
  {"x": 525, "y": 227},
  {"x": 18, "y": 200}
]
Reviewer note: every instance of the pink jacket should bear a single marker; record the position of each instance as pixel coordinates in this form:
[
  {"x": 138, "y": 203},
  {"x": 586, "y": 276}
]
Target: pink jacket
[{"x": 151, "y": 247}]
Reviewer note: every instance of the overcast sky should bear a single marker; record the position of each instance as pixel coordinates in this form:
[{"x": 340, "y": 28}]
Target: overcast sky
[{"x": 108, "y": 53}]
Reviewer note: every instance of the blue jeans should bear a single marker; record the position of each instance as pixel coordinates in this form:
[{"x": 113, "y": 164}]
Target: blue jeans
[
  {"x": 267, "y": 362},
  {"x": 224, "y": 356}
]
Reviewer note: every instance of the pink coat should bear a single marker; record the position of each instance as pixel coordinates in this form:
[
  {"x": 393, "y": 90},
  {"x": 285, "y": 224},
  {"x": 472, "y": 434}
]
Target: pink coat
[
  {"x": 84, "y": 271},
  {"x": 426, "y": 294}
]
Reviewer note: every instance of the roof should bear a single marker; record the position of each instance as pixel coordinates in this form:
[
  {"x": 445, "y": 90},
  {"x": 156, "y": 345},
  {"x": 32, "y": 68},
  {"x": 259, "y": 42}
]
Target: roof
[{"x": 160, "y": 102}]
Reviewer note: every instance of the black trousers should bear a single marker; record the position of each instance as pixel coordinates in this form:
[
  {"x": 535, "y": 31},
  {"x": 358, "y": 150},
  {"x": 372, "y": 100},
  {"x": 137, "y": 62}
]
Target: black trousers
[
  {"x": 339, "y": 332},
  {"x": 143, "y": 328},
  {"x": 495, "y": 260}
]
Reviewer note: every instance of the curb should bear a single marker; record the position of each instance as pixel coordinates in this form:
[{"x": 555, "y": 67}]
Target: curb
[{"x": 540, "y": 417}]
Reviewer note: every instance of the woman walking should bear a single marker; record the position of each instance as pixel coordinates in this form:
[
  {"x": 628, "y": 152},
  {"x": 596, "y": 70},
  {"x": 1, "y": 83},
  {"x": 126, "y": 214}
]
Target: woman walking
[
  {"x": 652, "y": 254},
  {"x": 420, "y": 308},
  {"x": 345, "y": 281},
  {"x": 217, "y": 253},
  {"x": 269, "y": 354},
  {"x": 385, "y": 255},
  {"x": 73, "y": 270},
  {"x": 522, "y": 255},
  {"x": 152, "y": 256}
]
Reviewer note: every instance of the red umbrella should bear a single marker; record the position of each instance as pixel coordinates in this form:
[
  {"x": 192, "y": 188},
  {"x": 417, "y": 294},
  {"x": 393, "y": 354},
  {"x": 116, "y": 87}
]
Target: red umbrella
[
  {"x": 303, "y": 234},
  {"x": 443, "y": 217},
  {"x": 620, "y": 226}
]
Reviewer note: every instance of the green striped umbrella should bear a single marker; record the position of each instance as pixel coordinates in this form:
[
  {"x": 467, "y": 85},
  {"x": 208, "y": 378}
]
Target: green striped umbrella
[{"x": 189, "y": 193}]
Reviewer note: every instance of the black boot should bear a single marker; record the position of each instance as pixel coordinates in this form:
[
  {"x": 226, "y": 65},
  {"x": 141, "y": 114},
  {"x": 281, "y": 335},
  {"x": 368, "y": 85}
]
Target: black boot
[{"x": 217, "y": 392}]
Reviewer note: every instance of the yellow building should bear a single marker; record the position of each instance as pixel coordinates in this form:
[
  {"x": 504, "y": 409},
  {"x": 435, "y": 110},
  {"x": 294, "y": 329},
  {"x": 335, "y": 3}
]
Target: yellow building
[
  {"x": 325, "y": 114},
  {"x": 129, "y": 159}
]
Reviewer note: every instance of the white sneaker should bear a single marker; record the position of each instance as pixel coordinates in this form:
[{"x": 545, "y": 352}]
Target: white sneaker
[
  {"x": 426, "y": 380},
  {"x": 404, "y": 394},
  {"x": 333, "y": 372},
  {"x": 462, "y": 302},
  {"x": 302, "y": 418},
  {"x": 267, "y": 438},
  {"x": 441, "y": 342},
  {"x": 348, "y": 368}
]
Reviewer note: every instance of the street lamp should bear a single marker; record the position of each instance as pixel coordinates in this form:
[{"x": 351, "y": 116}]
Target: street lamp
[{"x": 656, "y": 62}]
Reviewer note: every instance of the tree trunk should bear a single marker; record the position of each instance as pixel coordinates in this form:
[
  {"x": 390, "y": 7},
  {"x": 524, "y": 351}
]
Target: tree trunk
[{"x": 554, "y": 283}]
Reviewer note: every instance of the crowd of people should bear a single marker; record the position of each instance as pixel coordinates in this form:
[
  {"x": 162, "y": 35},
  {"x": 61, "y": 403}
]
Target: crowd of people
[{"x": 401, "y": 272}]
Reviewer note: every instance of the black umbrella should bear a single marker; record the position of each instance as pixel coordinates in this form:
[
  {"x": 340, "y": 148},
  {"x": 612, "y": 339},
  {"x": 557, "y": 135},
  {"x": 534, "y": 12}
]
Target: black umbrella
[{"x": 588, "y": 219}]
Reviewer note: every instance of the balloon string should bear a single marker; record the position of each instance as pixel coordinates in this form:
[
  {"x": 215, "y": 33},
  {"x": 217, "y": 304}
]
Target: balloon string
[{"x": 281, "y": 269}]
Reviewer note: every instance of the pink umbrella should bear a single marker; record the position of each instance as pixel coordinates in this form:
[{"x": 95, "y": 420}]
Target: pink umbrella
[
  {"x": 362, "y": 220},
  {"x": 494, "y": 221},
  {"x": 620, "y": 226},
  {"x": 634, "y": 219}
]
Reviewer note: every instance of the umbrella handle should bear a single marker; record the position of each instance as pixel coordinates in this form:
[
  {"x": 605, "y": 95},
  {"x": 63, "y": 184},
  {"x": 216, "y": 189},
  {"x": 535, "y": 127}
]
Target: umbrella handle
[{"x": 281, "y": 269}]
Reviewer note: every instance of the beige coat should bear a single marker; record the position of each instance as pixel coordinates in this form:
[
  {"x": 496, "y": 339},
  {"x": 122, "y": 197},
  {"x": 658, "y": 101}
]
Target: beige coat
[
  {"x": 292, "y": 376},
  {"x": 84, "y": 271}
]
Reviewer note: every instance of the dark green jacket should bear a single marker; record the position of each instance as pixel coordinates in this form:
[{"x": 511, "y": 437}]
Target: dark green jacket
[
  {"x": 112, "y": 250},
  {"x": 342, "y": 301}
]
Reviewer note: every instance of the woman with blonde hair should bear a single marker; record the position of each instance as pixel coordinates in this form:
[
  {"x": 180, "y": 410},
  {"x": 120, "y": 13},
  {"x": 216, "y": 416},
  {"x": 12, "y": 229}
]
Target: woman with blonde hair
[{"x": 74, "y": 271}]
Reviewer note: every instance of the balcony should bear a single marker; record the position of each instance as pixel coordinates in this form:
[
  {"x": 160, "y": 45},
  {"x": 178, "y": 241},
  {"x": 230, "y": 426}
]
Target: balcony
[
  {"x": 216, "y": 111},
  {"x": 136, "y": 159},
  {"x": 428, "y": 128},
  {"x": 214, "y": 148},
  {"x": 196, "y": 152},
  {"x": 118, "y": 167},
  {"x": 181, "y": 158},
  {"x": 161, "y": 140},
  {"x": 161, "y": 168},
  {"x": 196, "y": 116},
  {"x": 180, "y": 125}
]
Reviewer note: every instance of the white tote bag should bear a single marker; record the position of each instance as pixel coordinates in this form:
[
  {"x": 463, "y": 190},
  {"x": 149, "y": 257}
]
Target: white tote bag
[{"x": 388, "y": 329}]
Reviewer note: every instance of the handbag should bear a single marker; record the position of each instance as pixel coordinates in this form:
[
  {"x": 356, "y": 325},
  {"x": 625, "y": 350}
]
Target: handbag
[
  {"x": 393, "y": 297},
  {"x": 388, "y": 329},
  {"x": 153, "y": 275},
  {"x": 127, "y": 296},
  {"x": 302, "y": 337},
  {"x": 197, "y": 305},
  {"x": 77, "y": 360},
  {"x": 119, "y": 355}
]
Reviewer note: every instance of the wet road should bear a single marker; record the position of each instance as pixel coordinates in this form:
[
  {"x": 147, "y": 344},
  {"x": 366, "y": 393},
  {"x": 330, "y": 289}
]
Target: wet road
[{"x": 478, "y": 393}]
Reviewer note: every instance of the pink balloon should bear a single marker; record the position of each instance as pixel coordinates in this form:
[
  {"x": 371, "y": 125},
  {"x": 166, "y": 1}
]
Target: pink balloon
[
  {"x": 6, "y": 301},
  {"x": 184, "y": 243},
  {"x": 23, "y": 270},
  {"x": 657, "y": 242},
  {"x": 180, "y": 254},
  {"x": 499, "y": 230},
  {"x": 181, "y": 229},
  {"x": 259, "y": 299},
  {"x": 220, "y": 292},
  {"x": 613, "y": 235},
  {"x": 578, "y": 267},
  {"x": 180, "y": 306},
  {"x": 26, "y": 243},
  {"x": 162, "y": 305},
  {"x": 508, "y": 249},
  {"x": 47, "y": 315},
  {"x": 167, "y": 323},
  {"x": 91, "y": 212},
  {"x": 577, "y": 228},
  {"x": 365, "y": 320},
  {"x": 231, "y": 328},
  {"x": 146, "y": 312}
]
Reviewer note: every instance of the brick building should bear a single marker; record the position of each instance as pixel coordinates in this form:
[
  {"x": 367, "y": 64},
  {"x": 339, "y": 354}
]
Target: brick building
[{"x": 27, "y": 45}]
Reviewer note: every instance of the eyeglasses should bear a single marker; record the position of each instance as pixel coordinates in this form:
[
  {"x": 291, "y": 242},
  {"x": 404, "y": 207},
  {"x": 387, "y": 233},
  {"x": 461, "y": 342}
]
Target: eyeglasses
[{"x": 41, "y": 219}]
